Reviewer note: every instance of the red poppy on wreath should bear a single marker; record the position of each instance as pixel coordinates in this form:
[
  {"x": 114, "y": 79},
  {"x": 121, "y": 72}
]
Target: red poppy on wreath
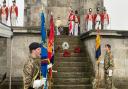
[
  {"x": 77, "y": 50},
  {"x": 66, "y": 53}
]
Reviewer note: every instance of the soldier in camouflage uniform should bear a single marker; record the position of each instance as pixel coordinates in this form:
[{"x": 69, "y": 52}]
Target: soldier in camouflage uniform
[
  {"x": 31, "y": 70},
  {"x": 108, "y": 67}
]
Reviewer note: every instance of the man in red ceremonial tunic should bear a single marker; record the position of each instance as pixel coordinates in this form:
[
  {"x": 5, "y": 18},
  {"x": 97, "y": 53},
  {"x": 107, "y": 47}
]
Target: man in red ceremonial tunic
[
  {"x": 4, "y": 13},
  {"x": 89, "y": 20},
  {"x": 97, "y": 20},
  {"x": 0, "y": 12},
  {"x": 105, "y": 19},
  {"x": 13, "y": 13},
  {"x": 77, "y": 22},
  {"x": 71, "y": 22}
]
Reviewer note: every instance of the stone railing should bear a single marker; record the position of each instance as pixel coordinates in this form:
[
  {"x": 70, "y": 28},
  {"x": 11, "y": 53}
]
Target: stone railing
[{"x": 5, "y": 31}]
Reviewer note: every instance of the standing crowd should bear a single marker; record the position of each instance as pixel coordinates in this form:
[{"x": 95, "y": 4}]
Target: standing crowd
[
  {"x": 98, "y": 20},
  {"x": 5, "y": 11},
  {"x": 73, "y": 24}
]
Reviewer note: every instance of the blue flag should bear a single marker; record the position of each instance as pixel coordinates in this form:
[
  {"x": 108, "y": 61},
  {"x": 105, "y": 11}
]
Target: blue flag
[{"x": 44, "y": 52}]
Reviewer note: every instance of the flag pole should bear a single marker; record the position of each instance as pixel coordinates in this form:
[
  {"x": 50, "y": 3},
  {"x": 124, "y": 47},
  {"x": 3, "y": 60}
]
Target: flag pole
[
  {"x": 98, "y": 32},
  {"x": 98, "y": 77},
  {"x": 49, "y": 77}
]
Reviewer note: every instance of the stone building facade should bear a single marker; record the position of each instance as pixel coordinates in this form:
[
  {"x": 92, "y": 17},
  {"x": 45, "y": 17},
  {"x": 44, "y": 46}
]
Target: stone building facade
[
  {"x": 60, "y": 8},
  {"x": 31, "y": 12}
]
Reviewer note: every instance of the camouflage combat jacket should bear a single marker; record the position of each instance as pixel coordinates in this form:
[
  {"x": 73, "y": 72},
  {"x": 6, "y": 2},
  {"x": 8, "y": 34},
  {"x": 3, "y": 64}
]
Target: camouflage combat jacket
[
  {"x": 108, "y": 61},
  {"x": 31, "y": 72}
]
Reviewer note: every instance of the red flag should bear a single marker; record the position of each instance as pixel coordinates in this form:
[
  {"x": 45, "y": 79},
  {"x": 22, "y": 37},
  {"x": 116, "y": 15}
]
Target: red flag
[{"x": 51, "y": 43}]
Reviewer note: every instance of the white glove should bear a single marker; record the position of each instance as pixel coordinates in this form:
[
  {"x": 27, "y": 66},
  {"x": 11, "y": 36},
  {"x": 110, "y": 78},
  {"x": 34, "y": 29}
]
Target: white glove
[
  {"x": 39, "y": 83},
  {"x": 110, "y": 72},
  {"x": 49, "y": 66}
]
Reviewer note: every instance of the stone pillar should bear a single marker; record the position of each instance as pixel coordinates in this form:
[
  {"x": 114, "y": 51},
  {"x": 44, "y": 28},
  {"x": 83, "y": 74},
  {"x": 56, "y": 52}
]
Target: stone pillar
[
  {"x": 59, "y": 8},
  {"x": 32, "y": 12}
]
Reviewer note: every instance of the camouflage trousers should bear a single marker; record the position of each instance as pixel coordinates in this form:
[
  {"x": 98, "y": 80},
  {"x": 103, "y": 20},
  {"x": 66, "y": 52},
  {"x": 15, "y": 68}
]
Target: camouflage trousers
[{"x": 108, "y": 80}]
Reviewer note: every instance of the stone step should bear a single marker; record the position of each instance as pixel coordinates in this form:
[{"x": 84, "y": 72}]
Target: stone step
[
  {"x": 12, "y": 86},
  {"x": 70, "y": 50},
  {"x": 14, "y": 80},
  {"x": 72, "y": 86},
  {"x": 72, "y": 64},
  {"x": 71, "y": 59},
  {"x": 71, "y": 74},
  {"x": 67, "y": 37},
  {"x": 71, "y": 46},
  {"x": 71, "y": 54},
  {"x": 69, "y": 81},
  {"x": 16, "y": 83},
  {"x": 69, "y": 40},
  {"x": 60, "y": 42},
  {"x": 72, "y": 69}
]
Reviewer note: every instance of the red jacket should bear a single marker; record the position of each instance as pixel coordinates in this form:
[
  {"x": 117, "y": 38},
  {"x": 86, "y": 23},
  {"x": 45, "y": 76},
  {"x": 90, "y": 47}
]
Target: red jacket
[
  {"x": 103, "y": 17},
  {"x": 87, "y": 17},
  {"x": 4, "y": 10},
  {"x": 15, "y": 10},
  {"x": 95, "y": 17},
  {"x": 71, "y": 17}
]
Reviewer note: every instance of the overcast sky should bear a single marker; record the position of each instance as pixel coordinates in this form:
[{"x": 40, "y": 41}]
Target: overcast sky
[{"x": 118, "y": 12}]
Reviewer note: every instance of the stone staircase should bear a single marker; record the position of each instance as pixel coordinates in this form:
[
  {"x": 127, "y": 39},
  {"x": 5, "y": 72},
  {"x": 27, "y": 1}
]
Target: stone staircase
[{"x": 73, "y": 72}]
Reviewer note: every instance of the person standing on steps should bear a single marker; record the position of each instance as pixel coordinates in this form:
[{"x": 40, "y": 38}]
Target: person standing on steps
[
  {"x": 58, "y": 25},
  {"x": 77, "y": 22},
  {"x": 71, "y": 19},
  {"x": 97, "y": 20},
  {"x": 89, "y": 20},
  {"x": 105, "y": 19},
  {"x": 13, "y": 13},
  {"x": 4, "y": 13}
]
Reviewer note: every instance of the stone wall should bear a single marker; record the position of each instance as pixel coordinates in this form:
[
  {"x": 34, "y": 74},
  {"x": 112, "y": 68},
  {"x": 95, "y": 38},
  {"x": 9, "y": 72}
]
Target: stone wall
[
  {"x": 32, "y": 12},
  {"x": 119, "y": 43},
  {"x": 18, "y": 48},
  {"x": 84, "y": 5},
  {"x": 23, "y": 37},
  {"x": 21, "y": 52},
  {"x": 60, "y": 8},
  {"x": 3, "y": 55}
]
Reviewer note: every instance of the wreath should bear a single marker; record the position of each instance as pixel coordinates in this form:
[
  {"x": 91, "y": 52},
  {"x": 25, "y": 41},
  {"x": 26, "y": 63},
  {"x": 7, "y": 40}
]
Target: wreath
[{"x": 65, "y": 45}]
